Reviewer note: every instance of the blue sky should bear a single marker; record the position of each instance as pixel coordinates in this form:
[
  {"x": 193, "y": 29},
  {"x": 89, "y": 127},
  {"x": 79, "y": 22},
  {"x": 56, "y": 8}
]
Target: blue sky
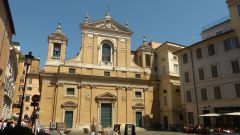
[{"x": 179, "y": 21}]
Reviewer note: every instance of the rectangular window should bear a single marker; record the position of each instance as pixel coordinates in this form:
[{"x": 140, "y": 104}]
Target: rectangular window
[
  {"x": 72, "y": 70},
  {"x": 217, "y": 92},
  {"x": 30, "y": 81},
  {"x": 70, "y": 91},
  {"x": 27, "y": 108},
  {"x": 238, "y": 9},
  {"x": 186, "y": 77},
  {"x": 22, "y": 80},
  {"x": 211, "y": 49},
  {"x": 176, "y": 69},
  {"x": 199, "y": 53},
  {"x": 165, "y": 100},
  {"x": 235, "y": 67},
  {"x": 148, "y": 59},
  {"x": 138, "y": 94},
  {"x": 189, "y": 96},
  {"x": 27, "y": 99},
  {"x": 214, "y": 71},
  {"x": 237, "y": 89},
  {"x": 56, "y": 50},
  {"x": 140, "y": 61},
  {"x": 204, "y": 94},
  {"x": 190, "y": 118},
  {"x": 201, "y": 74},
  {"x": 231, "y": 43},
  {"x": 185, "y": 58},
  {"x": 106, "y": 73},
  {"x": 138, "y": 76},
  {"x": 19, "y": 99},
  {"x": 20, "y": 88},
  {"x": 29, "y": 88}
]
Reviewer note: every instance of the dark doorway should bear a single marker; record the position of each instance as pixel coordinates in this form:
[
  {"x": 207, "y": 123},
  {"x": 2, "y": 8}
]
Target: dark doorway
[
  {"x": 165, "y": 121},
  {"x": 138, "y": 119},
  {"x": 206, "y": 120},
  {"x": 106, "y": 115}
]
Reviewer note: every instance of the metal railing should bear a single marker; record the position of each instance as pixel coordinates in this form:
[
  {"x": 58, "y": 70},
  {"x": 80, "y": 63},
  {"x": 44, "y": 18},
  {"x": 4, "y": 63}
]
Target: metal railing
[{"x": 220, "y": 20}]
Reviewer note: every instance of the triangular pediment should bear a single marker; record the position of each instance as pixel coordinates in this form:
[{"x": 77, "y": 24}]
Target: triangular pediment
[
  {"x": 57, "y": 36},
  {"x": 70, "y": 104},
  {"x": 138, "y": 105},
  {"x": 107, "y": 24},
  {"x": 106, "y": 95}
]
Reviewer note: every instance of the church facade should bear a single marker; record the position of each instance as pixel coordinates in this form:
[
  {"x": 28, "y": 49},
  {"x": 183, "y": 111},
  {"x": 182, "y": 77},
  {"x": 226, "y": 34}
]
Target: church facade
[{"x": 102, "y": 84}]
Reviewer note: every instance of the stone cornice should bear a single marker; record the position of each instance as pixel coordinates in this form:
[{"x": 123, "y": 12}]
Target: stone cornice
[{"x": 80, "y": 77}]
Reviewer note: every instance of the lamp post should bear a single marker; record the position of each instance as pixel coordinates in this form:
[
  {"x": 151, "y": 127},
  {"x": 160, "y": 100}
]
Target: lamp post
[{"x": 28, "y": 62}]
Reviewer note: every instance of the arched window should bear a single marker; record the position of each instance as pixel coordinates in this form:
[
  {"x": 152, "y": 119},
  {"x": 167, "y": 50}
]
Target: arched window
[{"x": 106, "y": 52}]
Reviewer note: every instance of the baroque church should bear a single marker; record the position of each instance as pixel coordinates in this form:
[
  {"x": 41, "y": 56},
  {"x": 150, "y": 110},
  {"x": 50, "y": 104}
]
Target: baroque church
[{"x": 102, "y": 84}]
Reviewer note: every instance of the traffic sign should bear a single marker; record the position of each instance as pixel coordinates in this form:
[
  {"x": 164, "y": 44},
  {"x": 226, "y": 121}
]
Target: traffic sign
[
  {"x": 34, "y": 104},
  {"x": 53, "y": 125},
  {"x": 35, "y": 98}
]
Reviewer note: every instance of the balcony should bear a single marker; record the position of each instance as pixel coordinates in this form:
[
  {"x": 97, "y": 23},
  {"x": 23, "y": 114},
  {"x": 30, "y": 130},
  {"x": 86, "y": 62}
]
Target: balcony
[{"x": 216, "y": 23}]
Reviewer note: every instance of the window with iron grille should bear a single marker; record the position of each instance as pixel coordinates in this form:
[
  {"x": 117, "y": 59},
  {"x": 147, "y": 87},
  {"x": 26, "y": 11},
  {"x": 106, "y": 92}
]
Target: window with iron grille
[
  {"x": 138, "y": 94},
  {"x": 70, "y": 91}
]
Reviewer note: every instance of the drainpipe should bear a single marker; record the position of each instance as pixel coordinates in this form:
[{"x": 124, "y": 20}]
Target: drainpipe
[{"x": 195, "y": 87}]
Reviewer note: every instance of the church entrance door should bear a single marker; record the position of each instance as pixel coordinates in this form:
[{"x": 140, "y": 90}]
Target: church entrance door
[{"x": 106, "y": 115}]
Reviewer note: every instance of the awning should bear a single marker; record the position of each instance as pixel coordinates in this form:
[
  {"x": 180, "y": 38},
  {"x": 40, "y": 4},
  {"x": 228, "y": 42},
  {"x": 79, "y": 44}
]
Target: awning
[
  {"x": 232, "y": 114},
  {"x": 210, "y": 115}
]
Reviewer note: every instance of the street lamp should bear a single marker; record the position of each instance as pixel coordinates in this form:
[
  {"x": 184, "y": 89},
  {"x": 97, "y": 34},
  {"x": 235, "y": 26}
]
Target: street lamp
[{"x": 28, "y": 62}]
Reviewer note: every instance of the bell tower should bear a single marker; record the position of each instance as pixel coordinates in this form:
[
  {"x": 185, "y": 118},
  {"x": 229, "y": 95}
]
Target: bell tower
[
  {"x": 57, "y": 43},
  {"x": 144, "y": 55}
]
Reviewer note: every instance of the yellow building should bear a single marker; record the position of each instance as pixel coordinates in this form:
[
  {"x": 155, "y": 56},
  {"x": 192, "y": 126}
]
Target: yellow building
[
  {"x": 6, "y": 32},
  {"x": 32, "y": 86},
  {"x": 102, "y": 84},
  {"x": 210, "y": 73}
]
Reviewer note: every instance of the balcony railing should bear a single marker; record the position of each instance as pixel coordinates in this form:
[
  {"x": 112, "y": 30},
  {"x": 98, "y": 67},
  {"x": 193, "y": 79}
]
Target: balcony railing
[{"x": 215, "y": 23}]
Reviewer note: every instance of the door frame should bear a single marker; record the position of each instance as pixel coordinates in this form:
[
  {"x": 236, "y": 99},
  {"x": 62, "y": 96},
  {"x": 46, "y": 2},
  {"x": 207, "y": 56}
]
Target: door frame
[{"x": 112, "y": 112}]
